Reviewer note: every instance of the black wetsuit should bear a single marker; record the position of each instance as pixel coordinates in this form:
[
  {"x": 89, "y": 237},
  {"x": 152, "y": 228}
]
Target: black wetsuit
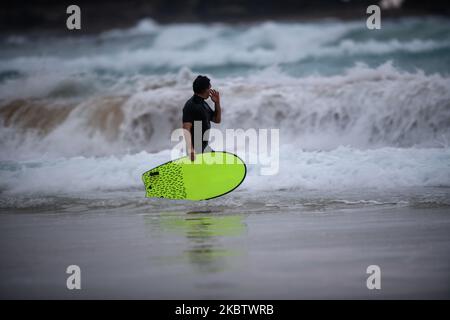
[{"x": 196, "y": 109}]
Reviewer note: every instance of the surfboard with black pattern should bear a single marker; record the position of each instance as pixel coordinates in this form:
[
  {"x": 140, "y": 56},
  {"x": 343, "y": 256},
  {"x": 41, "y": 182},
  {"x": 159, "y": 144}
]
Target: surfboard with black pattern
[{"x": 211, "y": 175}]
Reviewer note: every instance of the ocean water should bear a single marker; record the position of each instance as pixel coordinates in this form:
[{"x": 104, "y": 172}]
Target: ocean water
[{"x": 364, "y": 116}]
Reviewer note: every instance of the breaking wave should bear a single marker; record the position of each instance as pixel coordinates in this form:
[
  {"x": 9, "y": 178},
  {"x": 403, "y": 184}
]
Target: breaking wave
[{"x": 364, "y": 108}]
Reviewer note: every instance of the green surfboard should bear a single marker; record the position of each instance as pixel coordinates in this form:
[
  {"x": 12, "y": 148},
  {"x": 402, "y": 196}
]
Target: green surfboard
[{"x": 211, "y": 175}]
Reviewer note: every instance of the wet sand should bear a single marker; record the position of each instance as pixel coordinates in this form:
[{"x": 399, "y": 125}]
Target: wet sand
[{"x": 269, "y": 255}]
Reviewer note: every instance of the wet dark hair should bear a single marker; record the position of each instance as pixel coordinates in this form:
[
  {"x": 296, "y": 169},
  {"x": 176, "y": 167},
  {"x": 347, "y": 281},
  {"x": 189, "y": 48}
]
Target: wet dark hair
[{"x": 201, "y": 83}]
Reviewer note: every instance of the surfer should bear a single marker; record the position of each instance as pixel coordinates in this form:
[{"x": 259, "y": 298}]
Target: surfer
[{"x": 197, "y": 116}]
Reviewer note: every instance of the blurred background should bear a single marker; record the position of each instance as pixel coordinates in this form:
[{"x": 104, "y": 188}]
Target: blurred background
[
  {"x": 97, "y": 106},
  {"x": 102, "y": 14}
]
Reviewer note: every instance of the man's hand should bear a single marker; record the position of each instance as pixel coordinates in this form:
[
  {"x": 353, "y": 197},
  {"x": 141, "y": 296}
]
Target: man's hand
[
  {"x": 192, "y": 155},
  {"x": 215, "y": 95}
]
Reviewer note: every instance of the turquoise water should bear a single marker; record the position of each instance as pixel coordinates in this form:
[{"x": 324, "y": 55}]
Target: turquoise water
[{"x": 326, "y": 47}]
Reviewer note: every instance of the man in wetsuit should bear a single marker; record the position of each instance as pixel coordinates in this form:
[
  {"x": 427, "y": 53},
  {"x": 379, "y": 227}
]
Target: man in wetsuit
[{"x": 197, "y": 116}]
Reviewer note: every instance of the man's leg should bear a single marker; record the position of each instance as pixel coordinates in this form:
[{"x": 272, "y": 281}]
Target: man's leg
[{"x": 207, "y": 148}]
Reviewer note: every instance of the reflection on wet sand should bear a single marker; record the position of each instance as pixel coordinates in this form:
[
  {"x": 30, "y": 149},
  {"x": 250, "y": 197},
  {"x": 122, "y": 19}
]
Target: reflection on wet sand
[{"x": 206, "y": 235}]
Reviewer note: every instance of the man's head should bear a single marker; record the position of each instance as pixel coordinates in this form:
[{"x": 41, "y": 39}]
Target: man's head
[{"x": 201, "y": 86}]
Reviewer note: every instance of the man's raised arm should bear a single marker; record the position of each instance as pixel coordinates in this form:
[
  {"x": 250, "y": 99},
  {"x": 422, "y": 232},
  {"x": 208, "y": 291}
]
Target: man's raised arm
[{"x": 215, "y": 97}]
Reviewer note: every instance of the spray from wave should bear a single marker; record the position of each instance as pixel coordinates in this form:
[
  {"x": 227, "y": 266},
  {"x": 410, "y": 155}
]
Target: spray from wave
[{"x": 362, "y": 108}]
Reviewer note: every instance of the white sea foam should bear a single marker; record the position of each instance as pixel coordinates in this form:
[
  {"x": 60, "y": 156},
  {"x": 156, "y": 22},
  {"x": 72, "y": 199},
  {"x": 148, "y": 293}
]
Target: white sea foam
[
  {"x": 144, "y": 27},
  {"x": 341, "y": 168}
]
